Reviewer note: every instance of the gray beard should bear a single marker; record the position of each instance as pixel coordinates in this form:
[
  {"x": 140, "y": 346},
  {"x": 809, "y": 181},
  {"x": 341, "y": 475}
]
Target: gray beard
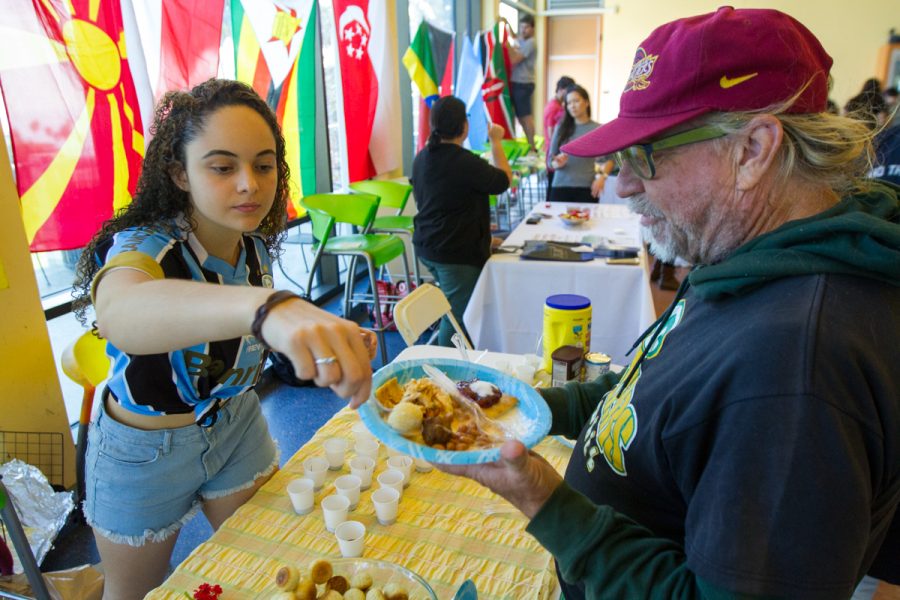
[
  {"x": 666, "y": 250},
  {"x": 685, "y": 242},
  {"x": 663, "y": 251}
]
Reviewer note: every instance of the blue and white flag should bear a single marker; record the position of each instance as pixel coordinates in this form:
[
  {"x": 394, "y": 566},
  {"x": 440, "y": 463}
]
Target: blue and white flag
[{"x": 468, "y": 89}]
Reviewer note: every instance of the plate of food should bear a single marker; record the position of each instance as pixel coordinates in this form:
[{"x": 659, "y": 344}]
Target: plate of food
[
  {"x": 575, "y": 216},
  {"x": 572, "y": 221},
  {"x": 409, "y": 412},
  {"x": 343, "y": 575}
]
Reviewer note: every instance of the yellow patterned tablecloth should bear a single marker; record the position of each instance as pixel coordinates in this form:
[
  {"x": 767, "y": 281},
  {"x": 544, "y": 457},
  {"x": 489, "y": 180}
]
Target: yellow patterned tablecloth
[{"x": 449, "y": 529}]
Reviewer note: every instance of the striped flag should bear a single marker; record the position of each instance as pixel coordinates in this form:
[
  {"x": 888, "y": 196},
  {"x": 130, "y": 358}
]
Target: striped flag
[
  {"x": 496, "y": 79},
  {"x": 429, "y": 61},
  {"x": 419, "y": 62},
  {"x": 180, "y": 41},
  {"x": 468, "y": 89},
  {"x": 75, "y": 124},
  {"x": 369, "y": 85},
  {"x": 274, "y": 51},
  {"x": 189, "y": 43}
]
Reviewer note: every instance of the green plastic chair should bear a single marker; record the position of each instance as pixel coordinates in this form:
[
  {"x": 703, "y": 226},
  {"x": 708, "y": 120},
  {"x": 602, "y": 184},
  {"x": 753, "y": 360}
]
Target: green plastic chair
[
  {"x": 514, "y": 149},
  {"x": 377, "y": 249},
  {"x": 392, "y": 195}
]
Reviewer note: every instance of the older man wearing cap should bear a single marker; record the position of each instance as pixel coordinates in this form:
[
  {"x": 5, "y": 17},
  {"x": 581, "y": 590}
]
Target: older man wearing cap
[{"x": 752, "y": 446}]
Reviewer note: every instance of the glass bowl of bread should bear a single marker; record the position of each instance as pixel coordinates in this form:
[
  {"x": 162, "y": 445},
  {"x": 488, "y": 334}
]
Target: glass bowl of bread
[{"x": 353, "y": 578}]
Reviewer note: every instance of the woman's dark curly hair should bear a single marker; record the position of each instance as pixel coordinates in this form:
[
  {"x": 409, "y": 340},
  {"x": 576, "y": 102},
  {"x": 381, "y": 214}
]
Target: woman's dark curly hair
[{"x": 180, "y": 118}]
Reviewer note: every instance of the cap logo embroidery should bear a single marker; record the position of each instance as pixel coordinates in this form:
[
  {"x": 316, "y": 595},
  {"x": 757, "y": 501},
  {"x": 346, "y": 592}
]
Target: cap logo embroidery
[
  {"x": 727, "y": 82},
  {"x": 641, "y": 70}
]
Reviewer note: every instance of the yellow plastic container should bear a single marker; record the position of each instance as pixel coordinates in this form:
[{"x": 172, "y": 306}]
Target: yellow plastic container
[{"x": 567, "y": 322}]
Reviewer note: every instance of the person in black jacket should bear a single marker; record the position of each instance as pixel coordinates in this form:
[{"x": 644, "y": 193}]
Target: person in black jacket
[{"x": 451, "y": 187}]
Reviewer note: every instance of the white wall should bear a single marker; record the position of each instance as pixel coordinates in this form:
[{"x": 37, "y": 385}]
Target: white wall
[{"x": 852, "y": 33}]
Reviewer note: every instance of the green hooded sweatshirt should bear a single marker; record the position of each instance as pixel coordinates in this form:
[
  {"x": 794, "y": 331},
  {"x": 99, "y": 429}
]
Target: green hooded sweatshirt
[{"x": 613, "y": 556}]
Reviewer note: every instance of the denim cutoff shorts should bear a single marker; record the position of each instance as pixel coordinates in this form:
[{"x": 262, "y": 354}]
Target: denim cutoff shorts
[{"x": 144, "y": 485}]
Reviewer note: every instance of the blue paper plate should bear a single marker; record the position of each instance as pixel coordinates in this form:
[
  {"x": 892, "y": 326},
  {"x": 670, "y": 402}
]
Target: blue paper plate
[{"x": 529, "y": 422}]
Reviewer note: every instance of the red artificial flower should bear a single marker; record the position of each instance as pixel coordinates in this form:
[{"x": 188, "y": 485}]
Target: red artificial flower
[{"x": 207, "y": 592}]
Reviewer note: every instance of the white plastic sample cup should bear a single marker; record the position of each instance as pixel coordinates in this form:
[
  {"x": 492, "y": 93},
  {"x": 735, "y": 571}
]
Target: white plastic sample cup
[
  {"x": 348, "y": 486},
  {"x": 335, "y": 508},
  {"x": 316, "y": 468},
  {"x": 387, "y": 502},
  {"x": 351, "y": 537},
  {"x": 404, "y": 464},
  {"x": 391, "y": 478},
  {"x": 525, "y": 373},
  {"x": 335, "y": 447},
  {"x": 363, "y": 467},
  {"x": 422, "y": 465},
  {"x": 301, "y": 494},
  {"x": 361, "y": 432},
  {"x": 368, "y": 447}
]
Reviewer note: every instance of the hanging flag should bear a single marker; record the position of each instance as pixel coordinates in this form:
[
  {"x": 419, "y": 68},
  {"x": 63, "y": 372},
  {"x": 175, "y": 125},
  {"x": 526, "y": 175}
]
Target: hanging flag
[
  {"x": 75, "y": 125},
  {"x": 468, "y": 89},
  {"x": 429, "y": 61},
  {"x": 369, "y": 85},
  {"x": 274, "y": 51},
  {"x": 190, "y": 32},
  {"x": 496, "y": 78},
  {"x": 386, "y": 143},
  {"x": 419, "y": 62}
]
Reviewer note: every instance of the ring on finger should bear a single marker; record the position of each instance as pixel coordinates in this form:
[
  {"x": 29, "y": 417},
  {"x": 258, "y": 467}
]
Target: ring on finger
[{"x": 326, "y": 360}]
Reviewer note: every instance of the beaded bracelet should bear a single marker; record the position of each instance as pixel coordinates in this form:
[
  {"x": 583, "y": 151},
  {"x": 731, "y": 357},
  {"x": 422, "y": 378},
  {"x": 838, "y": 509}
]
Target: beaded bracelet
[{"x": 263, "y": 311}]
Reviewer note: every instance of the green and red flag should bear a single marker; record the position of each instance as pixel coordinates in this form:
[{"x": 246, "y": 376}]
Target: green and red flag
[
  {"x": 495, "y": 89},
  {"x": 75, "y": 125},
  {"x": 274, "y": 51}
]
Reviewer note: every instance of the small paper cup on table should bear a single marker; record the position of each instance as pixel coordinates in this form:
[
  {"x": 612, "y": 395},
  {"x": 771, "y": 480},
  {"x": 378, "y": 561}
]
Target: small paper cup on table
[
  {"x": 348, "y": 486},
  {"x": 361, "y": 432},
  {"x": 367, "y": 447},
  {"x": 404, "y": 464},
  {"x": 391, "y": 478},
  {"x": 316, "y": 468},
  {"x": 363, "y": 467},
  {"x": 335, "y": 508},
  {"x": 423, "y": 466},
  {"x": 351, "y": 538},
  {"x": 387, "y": 503},
  {"x": 335, "y": 447},
  {"x": 525, "y": 373},
  {"x": 301, "y": 494}
]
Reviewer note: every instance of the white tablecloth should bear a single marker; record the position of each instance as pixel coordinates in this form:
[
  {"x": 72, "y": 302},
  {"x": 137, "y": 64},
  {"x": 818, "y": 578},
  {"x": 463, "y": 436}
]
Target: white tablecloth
[{"x": 505, "y": 313}]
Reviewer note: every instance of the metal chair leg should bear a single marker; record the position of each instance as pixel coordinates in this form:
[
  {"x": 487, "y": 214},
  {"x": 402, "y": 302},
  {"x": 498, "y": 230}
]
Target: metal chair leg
[
  {"x": 349, "y": 284},
  {"x": 376, "y": 306},
  {"x": 20, "y": 543}
]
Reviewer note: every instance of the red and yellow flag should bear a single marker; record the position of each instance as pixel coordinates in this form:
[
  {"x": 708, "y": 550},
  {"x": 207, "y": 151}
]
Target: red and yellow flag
[{"x": 77, "y": 136}]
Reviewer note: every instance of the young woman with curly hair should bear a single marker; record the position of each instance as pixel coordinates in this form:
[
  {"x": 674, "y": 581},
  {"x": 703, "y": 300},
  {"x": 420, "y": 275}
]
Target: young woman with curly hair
[{"x": 181, "y": 284}]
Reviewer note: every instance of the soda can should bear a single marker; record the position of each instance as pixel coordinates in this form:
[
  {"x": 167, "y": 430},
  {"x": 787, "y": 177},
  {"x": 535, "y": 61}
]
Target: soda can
[{"x": 595, "y": 365}]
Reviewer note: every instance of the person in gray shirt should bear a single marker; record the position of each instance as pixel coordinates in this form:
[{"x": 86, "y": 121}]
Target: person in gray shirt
[
  {"x": 521, "y": 81},
  {"x": 574, "y": 178}
]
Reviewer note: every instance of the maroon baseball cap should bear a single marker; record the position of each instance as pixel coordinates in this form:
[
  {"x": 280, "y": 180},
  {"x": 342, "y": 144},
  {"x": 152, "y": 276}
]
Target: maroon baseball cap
[{"x": 729, "y": 60}]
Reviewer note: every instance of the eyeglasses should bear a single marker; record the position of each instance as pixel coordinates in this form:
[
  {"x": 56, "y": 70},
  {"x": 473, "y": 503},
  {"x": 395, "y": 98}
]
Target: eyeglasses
[{"x": 640, "y": 156}]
